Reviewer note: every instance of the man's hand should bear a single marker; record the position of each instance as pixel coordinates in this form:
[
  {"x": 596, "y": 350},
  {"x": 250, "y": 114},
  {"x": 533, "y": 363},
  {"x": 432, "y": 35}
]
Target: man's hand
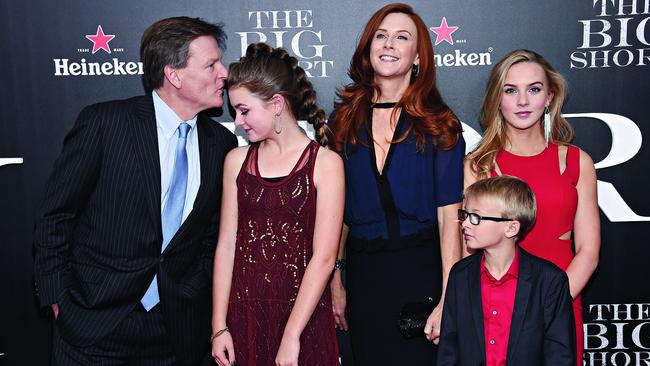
[{"x": 55, "y": 310}]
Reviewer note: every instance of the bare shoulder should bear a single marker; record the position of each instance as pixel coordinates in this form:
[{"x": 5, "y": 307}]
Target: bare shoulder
[
  {"x": 329, "y": 166},
  {"x": 585, "y": 160},
  {"x": 587, "y": 170},
  {"x": 328, "y": 158},
  {"x": 236, "y": 156},
  {"x": 584, "y": 156}
]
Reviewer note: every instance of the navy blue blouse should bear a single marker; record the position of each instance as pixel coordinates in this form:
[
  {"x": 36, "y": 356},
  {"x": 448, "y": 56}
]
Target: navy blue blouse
[{"x": 420, "y": 182}]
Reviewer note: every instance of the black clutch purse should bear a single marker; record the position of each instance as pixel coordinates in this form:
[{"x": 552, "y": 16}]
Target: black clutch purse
[{"x": 413, "y": 318}]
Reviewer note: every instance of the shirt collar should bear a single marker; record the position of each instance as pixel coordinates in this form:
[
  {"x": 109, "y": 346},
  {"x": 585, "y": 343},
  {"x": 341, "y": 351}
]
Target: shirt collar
[
  {"x": 166, "y": 118},
  {"x": 513, "y": 271}
]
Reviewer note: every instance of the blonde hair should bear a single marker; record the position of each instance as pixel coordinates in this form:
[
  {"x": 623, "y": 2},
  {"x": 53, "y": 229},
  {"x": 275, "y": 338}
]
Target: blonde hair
[
  {"x": 515, "y": 196},
  {"x": 482, "y": 159}
]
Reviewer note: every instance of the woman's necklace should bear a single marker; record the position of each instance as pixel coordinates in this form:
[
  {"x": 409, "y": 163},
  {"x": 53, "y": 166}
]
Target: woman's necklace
[{"x": 384, "y": 105}]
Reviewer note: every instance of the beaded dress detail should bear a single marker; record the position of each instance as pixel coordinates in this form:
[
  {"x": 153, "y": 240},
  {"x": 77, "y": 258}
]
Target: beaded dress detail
[{"x": 274, "y": 245}]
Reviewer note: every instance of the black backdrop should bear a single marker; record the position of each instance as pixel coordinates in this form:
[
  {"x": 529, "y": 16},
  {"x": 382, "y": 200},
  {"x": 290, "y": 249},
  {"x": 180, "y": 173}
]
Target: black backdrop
[{"x": 602, "y": 47}]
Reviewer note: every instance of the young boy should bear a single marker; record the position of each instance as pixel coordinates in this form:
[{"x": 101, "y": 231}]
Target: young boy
[{"x": 503, "y": 305}]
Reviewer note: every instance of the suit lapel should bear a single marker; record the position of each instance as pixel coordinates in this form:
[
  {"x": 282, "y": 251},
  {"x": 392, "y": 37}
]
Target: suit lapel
[
  {"x": 145, "y": 137},
  {"x": 474, "y": 279},
  {"x": 521, "y": 303},
  {"x": 207, "y": 143},
  {"x": 208, "y": 176}
]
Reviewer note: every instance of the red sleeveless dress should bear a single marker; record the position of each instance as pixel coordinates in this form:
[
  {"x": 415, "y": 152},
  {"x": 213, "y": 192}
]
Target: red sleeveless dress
[
  {"x": 557, "y": 201},
  {"x": 274, "y": 245}
]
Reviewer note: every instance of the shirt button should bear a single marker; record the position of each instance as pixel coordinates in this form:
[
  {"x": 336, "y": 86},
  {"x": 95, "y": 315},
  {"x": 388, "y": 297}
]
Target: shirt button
[
  {"x": 492, "y": 341},
  {"x": 494, "y": 312}
]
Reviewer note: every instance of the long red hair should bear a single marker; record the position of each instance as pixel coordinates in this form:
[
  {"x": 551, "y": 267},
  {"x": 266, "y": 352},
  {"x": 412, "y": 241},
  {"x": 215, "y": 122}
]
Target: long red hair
[{"x": 421, "y": 100}]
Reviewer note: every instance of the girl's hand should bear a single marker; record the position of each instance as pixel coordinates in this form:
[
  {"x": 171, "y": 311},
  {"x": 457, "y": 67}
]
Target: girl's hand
[
  {"x": 288, "y": 352},
  {"x": 223, "y": 350}
]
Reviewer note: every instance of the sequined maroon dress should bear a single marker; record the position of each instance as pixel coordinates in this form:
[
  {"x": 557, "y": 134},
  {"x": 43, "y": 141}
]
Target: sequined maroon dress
[{"x": 274, "y": 245}]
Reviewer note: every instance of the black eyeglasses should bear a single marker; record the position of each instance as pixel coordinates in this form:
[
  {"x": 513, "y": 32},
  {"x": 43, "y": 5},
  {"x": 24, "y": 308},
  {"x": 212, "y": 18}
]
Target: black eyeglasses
[{"x": 475, "y": 219}]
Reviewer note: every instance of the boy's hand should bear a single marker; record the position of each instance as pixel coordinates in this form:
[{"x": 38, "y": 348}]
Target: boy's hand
[{"x": 432, "y": 328}]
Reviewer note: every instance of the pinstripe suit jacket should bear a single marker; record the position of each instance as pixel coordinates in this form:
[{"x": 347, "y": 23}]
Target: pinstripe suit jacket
[{"x": 98, "y": 240}]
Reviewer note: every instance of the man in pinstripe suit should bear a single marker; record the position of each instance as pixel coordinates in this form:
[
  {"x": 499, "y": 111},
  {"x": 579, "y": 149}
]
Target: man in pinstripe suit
[{"x": 125, "y": 243}]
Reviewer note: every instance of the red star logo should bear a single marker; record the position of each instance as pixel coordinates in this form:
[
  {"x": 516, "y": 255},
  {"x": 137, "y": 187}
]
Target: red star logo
[
  {"x": 443, "y": 32},
  {"x": 100, "y": 40}
]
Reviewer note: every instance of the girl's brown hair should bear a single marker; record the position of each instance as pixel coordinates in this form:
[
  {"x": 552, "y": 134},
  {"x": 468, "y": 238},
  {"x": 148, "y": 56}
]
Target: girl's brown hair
[{"x": 267, "y": 71}]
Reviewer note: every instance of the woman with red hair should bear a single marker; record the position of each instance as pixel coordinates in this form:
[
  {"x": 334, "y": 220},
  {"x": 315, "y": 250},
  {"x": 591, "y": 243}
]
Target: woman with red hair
[{"x": 403, "y": 153}]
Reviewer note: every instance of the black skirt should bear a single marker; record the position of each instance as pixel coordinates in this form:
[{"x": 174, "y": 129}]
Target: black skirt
[{"x": 381, "y": 277}]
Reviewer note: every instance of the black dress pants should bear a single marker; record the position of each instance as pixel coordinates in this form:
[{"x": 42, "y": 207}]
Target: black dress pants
[{"x": 140, "y": 339}]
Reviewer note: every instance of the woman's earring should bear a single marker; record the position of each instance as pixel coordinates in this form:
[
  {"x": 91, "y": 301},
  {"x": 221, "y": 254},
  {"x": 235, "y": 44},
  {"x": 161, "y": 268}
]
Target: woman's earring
[
  {"x": 414, "y": 71},
  {"x": 547, "y": 124},
  {"x": 275, "y": 125}
]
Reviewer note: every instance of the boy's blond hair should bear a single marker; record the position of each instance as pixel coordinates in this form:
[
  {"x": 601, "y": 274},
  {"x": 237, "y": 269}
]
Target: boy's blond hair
[{"x": 516, "y": 198}]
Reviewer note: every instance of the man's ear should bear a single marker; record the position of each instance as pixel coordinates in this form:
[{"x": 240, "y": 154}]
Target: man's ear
[
  {"x": 173, "y": 76},
  {"x": 512, "y": 229}
]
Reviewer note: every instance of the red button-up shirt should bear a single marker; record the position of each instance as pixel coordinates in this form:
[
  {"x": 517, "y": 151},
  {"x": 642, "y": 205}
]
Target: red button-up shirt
[{"x": 498, "y": 300}]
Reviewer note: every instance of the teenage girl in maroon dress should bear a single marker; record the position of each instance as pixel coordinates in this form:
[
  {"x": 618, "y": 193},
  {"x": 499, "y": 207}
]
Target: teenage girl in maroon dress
[
  {"x": 281, "y": 218},
  {"x": 525, "y": 136}
]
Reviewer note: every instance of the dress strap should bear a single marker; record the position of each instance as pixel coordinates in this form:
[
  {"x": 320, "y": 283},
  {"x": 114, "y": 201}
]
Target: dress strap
[
  {"x": 301, "y": 166},
  {"x": 245, "y": 167},
  {"x": 313, "y": 152},
  {"x": 496, "y": 168},
  {"x": 572, "y": 170}
]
